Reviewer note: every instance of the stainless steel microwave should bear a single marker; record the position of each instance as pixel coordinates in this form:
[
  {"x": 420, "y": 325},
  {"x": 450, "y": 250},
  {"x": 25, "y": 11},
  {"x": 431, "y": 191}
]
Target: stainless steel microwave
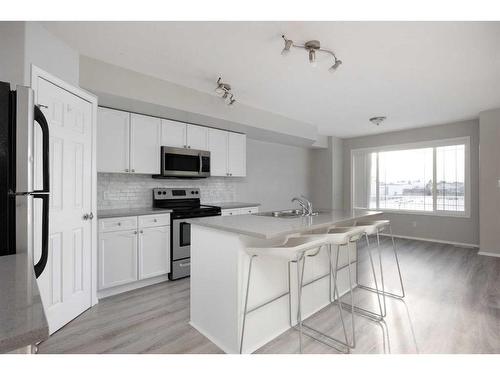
[{"x": 184, "y": 162}]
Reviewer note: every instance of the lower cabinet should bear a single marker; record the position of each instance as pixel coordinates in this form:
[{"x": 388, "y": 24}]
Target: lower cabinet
[
  {"x": 139, "y": 253},
  {"x": 117, "y": 258},
  {"x": 153, "y": 259}
]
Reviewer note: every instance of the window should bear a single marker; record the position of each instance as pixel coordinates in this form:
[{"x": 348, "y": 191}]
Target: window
[{"x": 422, "y": 177}]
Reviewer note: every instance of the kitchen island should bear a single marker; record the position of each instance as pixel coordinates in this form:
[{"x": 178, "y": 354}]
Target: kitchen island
[{"x": 219, "y": 266}]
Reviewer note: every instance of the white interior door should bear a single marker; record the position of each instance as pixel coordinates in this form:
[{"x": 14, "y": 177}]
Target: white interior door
[{"x": 65, "y": 284}]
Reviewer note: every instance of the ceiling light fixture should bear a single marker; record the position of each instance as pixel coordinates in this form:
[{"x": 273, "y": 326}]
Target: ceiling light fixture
[
  {"x": 311, "y": 47},
  {"x": 377, "y": 120},
  {"x": 224, "y": 91}
]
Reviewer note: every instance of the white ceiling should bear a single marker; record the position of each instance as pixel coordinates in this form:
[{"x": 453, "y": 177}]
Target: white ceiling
[{"x": 415, "y": 73}]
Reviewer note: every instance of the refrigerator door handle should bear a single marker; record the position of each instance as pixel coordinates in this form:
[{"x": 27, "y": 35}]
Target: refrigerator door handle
[
  {"x": 40, "y": 266},
  {"x": 42, "y": 121}
]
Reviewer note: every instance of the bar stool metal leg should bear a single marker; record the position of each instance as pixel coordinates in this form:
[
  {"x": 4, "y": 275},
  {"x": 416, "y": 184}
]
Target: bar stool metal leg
[
  {"x": 362, "y": 311},
  {"x": 300, "y": 283},
  {"x": 402, "y": 295},
  {"x": 339, "y": 303},
  {"x": 383, "y": 291},
  {"x": 246, "y": 302}
]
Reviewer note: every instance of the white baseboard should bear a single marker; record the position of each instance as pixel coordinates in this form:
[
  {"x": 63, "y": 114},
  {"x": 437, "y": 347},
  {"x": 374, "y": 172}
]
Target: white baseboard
[
  {"x": 433, "y": 240},
  {"x": 128, "y": 287},
  {"x": 488, "y": 254}
]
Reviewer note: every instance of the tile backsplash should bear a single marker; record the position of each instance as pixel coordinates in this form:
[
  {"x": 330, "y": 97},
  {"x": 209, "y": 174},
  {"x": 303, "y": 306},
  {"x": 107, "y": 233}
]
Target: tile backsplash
[{"x": 117, "y": 190}]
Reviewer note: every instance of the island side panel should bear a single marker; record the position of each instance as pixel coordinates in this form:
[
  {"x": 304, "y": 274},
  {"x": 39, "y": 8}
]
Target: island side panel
[{"x": 214, "y": 286}]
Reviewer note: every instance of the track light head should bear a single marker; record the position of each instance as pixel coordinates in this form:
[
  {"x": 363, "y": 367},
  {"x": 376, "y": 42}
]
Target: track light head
[
  {"x": 312, "y": 56},
  {"x": 335, "y": 65},
  {"x": 288, "y": 45}
]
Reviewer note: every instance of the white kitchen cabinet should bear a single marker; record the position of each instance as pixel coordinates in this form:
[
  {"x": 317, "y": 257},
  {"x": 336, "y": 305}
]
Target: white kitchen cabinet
[
  {"x": 145, "y": 133},
  {"x": 117, "y": 258},
  {"x": 133, "y": 248},
  {"x": 113, "y": 137},
  {"x": 217, "y": 145},
  {"x": 154, "y": 254},
  {"x": 197, "y": 137},
  {"x": 236, "y": 155},
  {"x": 173, "y": 133}
]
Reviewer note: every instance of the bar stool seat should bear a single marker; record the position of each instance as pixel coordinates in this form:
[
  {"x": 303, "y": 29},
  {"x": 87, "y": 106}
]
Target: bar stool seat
[{"x": 294, "y": 249}]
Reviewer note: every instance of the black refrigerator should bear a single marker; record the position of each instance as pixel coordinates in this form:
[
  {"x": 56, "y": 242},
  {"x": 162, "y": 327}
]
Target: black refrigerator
[{"x": 18, "y": 119}]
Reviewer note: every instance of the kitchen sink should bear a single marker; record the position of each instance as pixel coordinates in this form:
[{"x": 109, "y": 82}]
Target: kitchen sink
[{"x": 285, "y": 214}]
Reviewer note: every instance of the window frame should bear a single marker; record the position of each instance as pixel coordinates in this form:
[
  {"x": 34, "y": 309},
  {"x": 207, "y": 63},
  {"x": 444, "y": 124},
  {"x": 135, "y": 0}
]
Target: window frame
[{"x": 412, "y": 146}]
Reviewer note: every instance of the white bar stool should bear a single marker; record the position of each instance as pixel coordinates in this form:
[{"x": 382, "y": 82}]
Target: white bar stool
[
  {"x": 375, "y": 227},
  {"x": 344, "y": 237},
  {"x": 294, "y": 249}
]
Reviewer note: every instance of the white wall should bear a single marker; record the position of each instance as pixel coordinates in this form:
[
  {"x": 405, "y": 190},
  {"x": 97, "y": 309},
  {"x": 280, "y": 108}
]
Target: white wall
[
  {"x": 50, "y": 54},
  {"x": 453, "y": 229},
  {"x": 489, "y": 180},
  {"x": 327, "y": 175},
  {"x": 122, "y": 88},
  {"x": 275, "y": 174},
  {"x": 26, "y": 43},
  {"x": 12, "y": 52}
]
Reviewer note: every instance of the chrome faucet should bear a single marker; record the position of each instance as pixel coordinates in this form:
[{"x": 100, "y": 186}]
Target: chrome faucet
[{"x": 305, "y": 204}]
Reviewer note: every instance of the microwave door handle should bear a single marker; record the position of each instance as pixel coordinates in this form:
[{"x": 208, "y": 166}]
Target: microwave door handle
[
  {"x": 42, "y": 121},
  {"x": 40, "y": 266}
]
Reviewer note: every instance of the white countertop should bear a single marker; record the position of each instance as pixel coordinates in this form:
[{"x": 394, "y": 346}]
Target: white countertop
[
  {"x": 22, "y": 318},
  {"x": 268, "y": 227},
  {"x": 122, "y": 212}
]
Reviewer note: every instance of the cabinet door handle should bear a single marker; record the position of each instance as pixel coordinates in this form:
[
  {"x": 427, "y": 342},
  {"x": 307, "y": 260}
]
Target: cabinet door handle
[
  {"x": 187, "y": 264},
  {"x": 126, "y": 170},
  {"x": 133, "y": 170},
  {"x": 141, "y": 231},
  {"x": 91, "y": 216},
  {"x": 155, "y": 220},
  {"x": 119, "y": 224}
]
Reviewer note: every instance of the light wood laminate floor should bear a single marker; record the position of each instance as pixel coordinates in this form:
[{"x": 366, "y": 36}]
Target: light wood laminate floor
[{"x": 452, "y": 306}]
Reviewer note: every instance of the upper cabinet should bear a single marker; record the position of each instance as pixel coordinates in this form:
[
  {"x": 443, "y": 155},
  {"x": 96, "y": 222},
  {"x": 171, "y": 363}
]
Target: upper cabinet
[
  {"x": 173, "y": 133},
  {"x": 197, "y": 137},
  {"x": 178, "y": 134},
  {"x": 217, "y": 145},
  {"x": 227, "y": 153},
  {"x": 130, "y": 143},
  {"x": 145, "y": 133},
  {"x": 113, "y": 128},
  {"x": 236, "y": 155}
]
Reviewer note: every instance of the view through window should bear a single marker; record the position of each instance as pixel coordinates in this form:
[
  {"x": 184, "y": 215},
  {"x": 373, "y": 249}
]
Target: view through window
[{"x": 429, "y": 179}]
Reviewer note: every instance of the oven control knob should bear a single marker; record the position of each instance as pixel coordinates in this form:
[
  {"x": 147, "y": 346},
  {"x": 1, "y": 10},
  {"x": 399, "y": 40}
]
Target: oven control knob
[{"x": 192, "y": 192}]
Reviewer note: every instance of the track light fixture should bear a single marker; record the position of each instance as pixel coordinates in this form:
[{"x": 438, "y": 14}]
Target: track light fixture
[
  {"x": 224, "y": 91},
  {"x": 311, "y": 47}
]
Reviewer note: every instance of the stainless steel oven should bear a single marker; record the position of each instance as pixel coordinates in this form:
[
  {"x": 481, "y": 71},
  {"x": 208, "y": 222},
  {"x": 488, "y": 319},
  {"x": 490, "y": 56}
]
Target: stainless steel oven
[
  {"x": 185, "y": 205},
  {"x": 184, "y": 162}
]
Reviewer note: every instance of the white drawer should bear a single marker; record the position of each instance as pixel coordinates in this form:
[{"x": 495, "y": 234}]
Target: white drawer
[
  {"x": 154, "y": 220},
  {"x": 231, "y": 212},
  {"x": 114, "y": 224},
  {"x": 248, "y": 210}
]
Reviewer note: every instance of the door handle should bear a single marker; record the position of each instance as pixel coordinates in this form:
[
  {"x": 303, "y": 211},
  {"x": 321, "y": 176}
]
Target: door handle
[
  {"x": 86, "y": 217},
  {"x": 42, "y": 121},
  {"x": 40, "y": 266}
]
